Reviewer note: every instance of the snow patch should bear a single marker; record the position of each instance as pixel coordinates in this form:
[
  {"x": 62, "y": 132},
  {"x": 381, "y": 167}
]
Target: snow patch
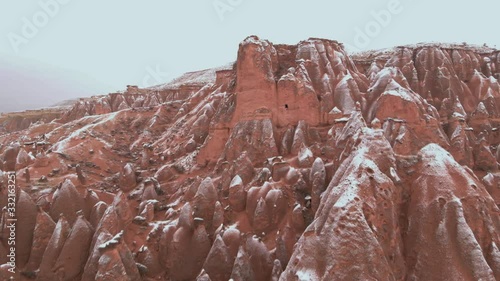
[{"x": 114, "y": 241}]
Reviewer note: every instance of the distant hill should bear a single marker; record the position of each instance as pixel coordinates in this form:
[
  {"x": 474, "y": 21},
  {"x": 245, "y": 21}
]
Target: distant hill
[{"x": 33, "y": 85}]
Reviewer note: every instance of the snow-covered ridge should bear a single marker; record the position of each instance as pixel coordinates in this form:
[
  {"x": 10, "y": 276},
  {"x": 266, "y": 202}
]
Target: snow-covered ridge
[
  {"x": 378, "y": 53},
  {"x": 194, "y": 78}
]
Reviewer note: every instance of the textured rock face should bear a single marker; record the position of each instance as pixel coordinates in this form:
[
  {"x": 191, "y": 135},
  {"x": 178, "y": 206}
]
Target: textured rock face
[
  {"x": 445, "y": 194},
  {"x": 357, "y": 220},
  {"x": 255, "y": 137},
  {"x": 292, "y": 83},
  {"x": 297, "y": 162}
]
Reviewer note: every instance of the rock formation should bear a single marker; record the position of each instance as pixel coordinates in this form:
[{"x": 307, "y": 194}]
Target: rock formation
[{"x": 297, "y": 162}]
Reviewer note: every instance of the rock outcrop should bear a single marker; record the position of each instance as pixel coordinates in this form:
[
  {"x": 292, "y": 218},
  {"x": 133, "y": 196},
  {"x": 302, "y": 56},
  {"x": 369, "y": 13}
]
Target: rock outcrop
[{"x": 297, "y": 162}]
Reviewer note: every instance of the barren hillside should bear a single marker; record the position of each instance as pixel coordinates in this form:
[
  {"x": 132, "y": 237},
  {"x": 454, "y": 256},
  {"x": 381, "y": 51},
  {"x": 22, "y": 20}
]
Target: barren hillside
[{"x": 297, "y": 162}]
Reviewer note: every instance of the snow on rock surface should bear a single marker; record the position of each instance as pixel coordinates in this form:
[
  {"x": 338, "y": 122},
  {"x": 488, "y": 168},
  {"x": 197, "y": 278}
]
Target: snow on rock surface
[{"x": 296, "y": 162}]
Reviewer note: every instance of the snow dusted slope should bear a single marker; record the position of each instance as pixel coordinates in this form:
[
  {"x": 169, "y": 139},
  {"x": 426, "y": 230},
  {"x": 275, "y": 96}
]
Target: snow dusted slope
[
  {"x": 298, "y": 162},
  {"x": 197, "y": 78}
]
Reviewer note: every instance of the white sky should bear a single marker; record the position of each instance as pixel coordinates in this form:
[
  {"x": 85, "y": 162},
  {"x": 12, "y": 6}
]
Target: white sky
[{"x": 118, "y": 42}]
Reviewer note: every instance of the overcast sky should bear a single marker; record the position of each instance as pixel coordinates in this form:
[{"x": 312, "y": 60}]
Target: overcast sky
[{"x": 102, "y": 46}]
